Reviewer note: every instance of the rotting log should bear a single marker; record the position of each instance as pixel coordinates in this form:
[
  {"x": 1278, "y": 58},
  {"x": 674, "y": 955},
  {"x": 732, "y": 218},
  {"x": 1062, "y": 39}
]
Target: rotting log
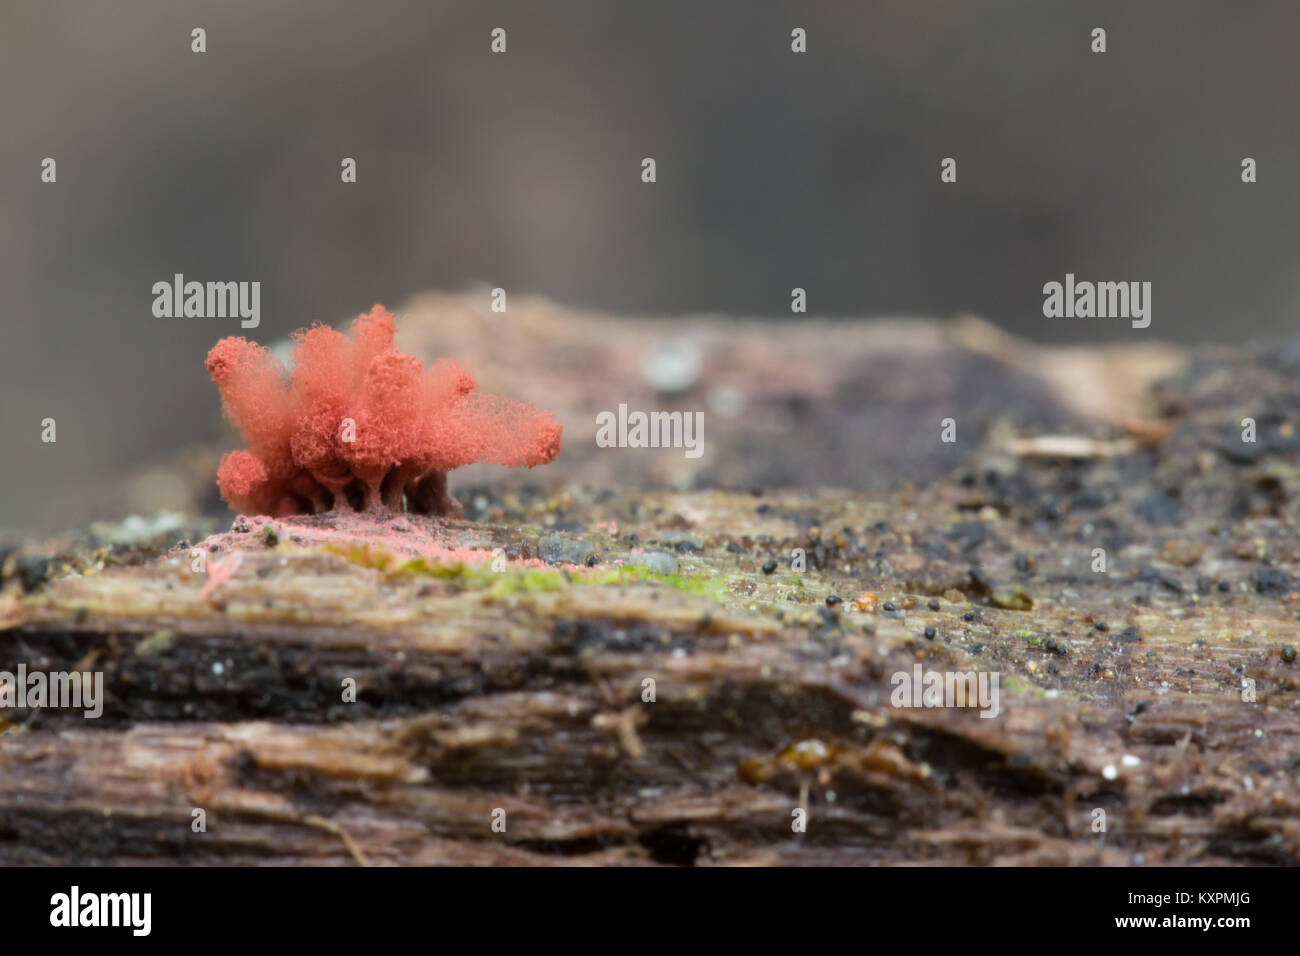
[{"x": 1162, "y": 692}]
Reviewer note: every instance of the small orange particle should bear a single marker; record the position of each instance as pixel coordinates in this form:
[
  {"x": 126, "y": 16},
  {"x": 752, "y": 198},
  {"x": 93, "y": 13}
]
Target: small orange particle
[
  {"x": 807, "y": 754},
  {"x": 866, "y": 602}
]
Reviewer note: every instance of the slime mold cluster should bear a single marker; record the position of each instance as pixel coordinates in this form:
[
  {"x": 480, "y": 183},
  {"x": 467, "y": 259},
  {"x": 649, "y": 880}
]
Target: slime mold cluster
[{"x": 356, "y": 424}]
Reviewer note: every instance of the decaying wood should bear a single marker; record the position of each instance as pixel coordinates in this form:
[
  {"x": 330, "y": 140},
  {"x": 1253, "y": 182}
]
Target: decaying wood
[{"x": 523, "y": 690}]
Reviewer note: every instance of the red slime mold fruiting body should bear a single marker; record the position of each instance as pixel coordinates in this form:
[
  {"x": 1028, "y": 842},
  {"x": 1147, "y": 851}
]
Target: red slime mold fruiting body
[{"x": 360, "y": 425}]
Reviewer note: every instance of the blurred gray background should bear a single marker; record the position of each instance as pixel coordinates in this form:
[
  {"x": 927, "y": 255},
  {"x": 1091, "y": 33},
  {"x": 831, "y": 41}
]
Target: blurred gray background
[{"x": 775, "y": 170}]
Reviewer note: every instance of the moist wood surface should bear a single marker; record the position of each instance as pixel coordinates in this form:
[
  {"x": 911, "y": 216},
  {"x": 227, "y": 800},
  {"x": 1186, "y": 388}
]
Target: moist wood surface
[{"x": 522, "y": 690}]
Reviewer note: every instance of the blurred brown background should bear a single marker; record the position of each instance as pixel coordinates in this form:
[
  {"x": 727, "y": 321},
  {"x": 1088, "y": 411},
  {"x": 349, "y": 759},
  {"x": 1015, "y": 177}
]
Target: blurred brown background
[{"x": 522, "y": 171}]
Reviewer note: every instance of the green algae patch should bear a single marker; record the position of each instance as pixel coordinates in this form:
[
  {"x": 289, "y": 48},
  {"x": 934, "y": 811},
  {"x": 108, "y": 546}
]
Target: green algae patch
[
  {"x": 365, "y": 555},
  {"x": 534, "y": 580},
  {"x": 704, "y": 585},
  {"x": 453, "y": 570},
  {"x": 526, "y": 581},
  {"x": 513, "y": 580}
]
